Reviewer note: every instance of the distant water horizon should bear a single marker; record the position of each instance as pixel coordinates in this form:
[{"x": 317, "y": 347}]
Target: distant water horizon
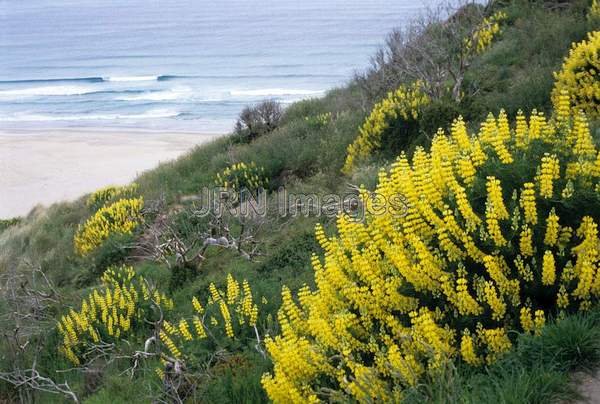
[{"x": 181, "y": 65}]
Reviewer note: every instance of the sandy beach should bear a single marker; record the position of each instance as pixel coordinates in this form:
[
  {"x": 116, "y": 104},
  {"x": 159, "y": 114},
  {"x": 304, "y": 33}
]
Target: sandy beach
[{"x": 44, "y": 167}]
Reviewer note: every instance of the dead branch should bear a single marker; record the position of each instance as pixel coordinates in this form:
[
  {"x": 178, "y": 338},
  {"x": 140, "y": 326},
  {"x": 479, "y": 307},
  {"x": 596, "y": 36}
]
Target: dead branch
[
  {"x": 430, "y": 49},
  {"x": 31, "y": 379}
]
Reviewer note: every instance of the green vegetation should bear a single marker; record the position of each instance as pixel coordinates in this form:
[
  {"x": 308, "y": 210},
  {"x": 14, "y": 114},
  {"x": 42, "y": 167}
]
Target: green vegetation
[
  {"x": 303, "y": 148},
  {"x": 6, "y": 223}
]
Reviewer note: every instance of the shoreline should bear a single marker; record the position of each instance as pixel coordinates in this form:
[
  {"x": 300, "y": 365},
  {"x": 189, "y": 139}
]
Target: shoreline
[{"x": 42, "y": 167}]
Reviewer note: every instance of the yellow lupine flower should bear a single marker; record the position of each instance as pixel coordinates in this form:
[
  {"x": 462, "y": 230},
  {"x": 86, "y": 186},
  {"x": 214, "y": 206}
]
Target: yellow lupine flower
[
  {"x": 562, "y": 298},
  {"x": 116, "y": 302},
  {"x": 526, "y": 320},
  {"x": 578, "y": 76},
  {"x": 539, "y": 321},
  {"x": 197, "y": 306},
  {"x": 169, "y": 344},
  {"x": 548, "y": 269},
  {"x": 233, "y": 289},
  {"x": 467, "y": 351},
  {"x": 496, "y": 341},
  {"x": 404, "y": 103},
  {"x": 525, "y": 243},
  {"x": 552, "y": 229},
  {"x": 185, "y": 330},
  {"x": 528, "y": 203},
  {"x": 226, "y": 318},
  {"x": 122, "y": 217},
  {"x": 494, "y": 301},
  {"x": 550, "y": 170}
]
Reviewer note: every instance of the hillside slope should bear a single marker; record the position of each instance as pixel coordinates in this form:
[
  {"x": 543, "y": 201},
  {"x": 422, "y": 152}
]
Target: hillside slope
[{"x": 43, "y": 276}]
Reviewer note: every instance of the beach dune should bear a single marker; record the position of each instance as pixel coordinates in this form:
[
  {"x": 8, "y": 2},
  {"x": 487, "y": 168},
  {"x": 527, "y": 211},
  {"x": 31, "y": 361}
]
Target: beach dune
[{"x": 44, "y": 167}]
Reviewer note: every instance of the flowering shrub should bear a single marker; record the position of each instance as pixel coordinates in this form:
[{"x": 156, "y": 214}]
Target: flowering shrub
[
  {"x": 109, "y": 312},
  {"x": 578, "y": 76},
  {"x": 482, "y": 37},
  {"x": 112, "y": 192},
  {"x": 242, "y": 176},
  {"x": 121, "y": 217},
  {"x": 318, "y": 121},
  {"x": 499, "y": 233},
  {"x": 404, "y": 103},
  {"x": 230, "y": 312}
]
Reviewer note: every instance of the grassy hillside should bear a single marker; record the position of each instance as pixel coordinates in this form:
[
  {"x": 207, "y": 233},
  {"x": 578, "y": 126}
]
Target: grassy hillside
[{"x": 42, "y": 276}]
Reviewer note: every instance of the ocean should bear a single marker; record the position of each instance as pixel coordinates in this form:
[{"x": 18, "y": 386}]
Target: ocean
[{"x": 181, "y": 65}]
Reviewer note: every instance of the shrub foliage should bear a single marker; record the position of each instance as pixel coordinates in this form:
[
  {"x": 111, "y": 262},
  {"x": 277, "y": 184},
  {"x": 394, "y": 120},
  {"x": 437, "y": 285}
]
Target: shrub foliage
[
  {"x": 228, "y": 314},
  {"x": 110, "y": 313},
  {"x": 403, "y": 104},
  {"x": 241, "y": 176},
  {"x": 579, "y": 75},
  {"x": 498, "y": 233},
  {"x": 110, "y": 193},
  {"x": 121, "y": 217},
  {"x": 256, "y": 120}
]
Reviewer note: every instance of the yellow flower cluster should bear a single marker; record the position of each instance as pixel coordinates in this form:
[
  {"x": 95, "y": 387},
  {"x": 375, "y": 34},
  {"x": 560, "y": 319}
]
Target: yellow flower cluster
[
  {"x": 527, "y": 202},
  {"x": 235, "y": 303},
  {"x": 484, "y": 33},
  {"x": 319, "y": 121},
  {"x": 578, "y": 76},
  {"x": 236, "y": 309},
  {"x": 404, "y": 103},
  {"x": 549, "y": 171},
  {"x": 548, "y": 269},
  {"x": 118, "y": 275},
  {"x": 122, "y": 216},
  {"x": 242, "y": 176},
  {"x": 485, "y": 250},
  {"x": 109, "y": 312},
  {"x": 111, "y": 192},
  {"x": 165, "y": 339}
]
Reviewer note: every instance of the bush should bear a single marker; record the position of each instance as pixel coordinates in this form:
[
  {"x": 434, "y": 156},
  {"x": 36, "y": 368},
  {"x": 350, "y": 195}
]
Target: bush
[
  {"x": 292, "y": 256},
  {"x": 181, "y": 275},
  {"x": 121, "y": 217},
  {"x": 226, "y": 318},
  {"x": 516, "y": 72},
  {"x": 100, "y": 197},
  {"x": 496, "y": 232},
  {"x": 255, "y": 121},
  {"x": 438, "y": 114},
  {"x": 110, "y": 312},
  {"x": 241, "y": 176},
  {"x": 573, "y": 343},
  {"x": 388, "y": 123},
  {"x": 578, "y": 77},
  {"x": 6, "y": 223},
  {"x": 113, "y": 251}
]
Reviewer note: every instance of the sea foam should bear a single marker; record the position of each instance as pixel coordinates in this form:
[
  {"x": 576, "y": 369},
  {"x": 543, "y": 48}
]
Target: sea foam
[
  {"x": 150, "y": 114},
  {"x": 48, "y": 91},
  {"x": 164, "y": 95},
  {"x": 130, "y": 78}
]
